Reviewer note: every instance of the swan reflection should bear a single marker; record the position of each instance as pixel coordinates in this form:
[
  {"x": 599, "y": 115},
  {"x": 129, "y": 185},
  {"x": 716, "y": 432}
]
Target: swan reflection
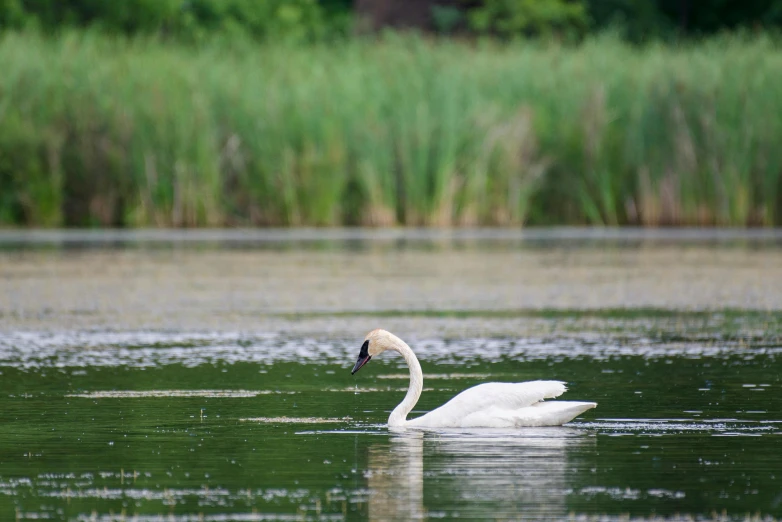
[{"x": 472, "y": 472}]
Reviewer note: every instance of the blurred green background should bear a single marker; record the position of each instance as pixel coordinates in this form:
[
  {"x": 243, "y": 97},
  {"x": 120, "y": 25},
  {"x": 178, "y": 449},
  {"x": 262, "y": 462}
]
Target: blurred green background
[{"x": 186, "y": 113}]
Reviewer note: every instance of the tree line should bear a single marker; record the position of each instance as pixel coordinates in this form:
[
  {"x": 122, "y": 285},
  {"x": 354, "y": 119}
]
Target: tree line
[{"x": 308, "y": 20}]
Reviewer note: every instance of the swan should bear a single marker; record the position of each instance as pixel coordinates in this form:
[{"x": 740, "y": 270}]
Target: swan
[{"x": 488, "y": 405}]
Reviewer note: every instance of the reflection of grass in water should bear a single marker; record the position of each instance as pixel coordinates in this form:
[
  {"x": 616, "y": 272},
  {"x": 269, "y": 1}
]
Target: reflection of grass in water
[
  {"x": 772, "y": 318},
  {"x": 555, "y": 313},
  {"x": 751, "y": 327}
]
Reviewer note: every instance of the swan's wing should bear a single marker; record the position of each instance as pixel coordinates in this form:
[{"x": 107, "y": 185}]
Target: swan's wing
[
  {"x": 503, "y": 396},
  {"x": 506, "y": 395},
  {"x": 553, "y": 413}
]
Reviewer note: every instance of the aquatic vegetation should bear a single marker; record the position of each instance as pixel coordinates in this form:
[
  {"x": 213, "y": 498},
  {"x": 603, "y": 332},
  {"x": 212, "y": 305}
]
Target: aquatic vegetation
[{"x": 97, "y": 131}]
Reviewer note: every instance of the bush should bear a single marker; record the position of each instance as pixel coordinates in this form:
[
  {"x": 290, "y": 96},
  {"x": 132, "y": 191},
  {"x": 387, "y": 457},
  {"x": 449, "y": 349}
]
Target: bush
[
  {"x": 298, "y": 20},
  {"x": 508, "y": 18},
  {"x": 634, "y": 21}
]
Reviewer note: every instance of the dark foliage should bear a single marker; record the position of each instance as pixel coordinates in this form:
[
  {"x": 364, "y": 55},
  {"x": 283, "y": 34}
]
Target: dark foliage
[{"x": 316, "y": 19}]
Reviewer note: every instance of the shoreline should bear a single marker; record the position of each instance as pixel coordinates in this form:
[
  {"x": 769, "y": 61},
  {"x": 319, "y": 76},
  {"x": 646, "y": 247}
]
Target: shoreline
[{"x": 33, "y": 236}]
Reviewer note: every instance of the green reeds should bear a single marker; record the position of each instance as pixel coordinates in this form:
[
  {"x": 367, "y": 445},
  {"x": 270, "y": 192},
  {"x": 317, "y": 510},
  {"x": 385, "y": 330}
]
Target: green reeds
[{"x": 399, "y": 130}]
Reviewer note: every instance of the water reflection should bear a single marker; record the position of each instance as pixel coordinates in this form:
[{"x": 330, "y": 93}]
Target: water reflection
[
  {"x": 396, "y": 477},
  {"x": 475, "y": 472}
]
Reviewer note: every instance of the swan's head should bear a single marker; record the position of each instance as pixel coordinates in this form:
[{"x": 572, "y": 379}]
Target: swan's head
[{"x": 375, "y": 343}]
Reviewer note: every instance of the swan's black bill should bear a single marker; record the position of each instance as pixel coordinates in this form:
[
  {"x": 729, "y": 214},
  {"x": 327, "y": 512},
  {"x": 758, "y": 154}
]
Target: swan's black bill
[{"x": 363, "y": 357}]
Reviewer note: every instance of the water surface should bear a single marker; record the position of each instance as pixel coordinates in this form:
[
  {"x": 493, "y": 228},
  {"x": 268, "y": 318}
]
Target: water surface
[{"x": 166, "y": 379}]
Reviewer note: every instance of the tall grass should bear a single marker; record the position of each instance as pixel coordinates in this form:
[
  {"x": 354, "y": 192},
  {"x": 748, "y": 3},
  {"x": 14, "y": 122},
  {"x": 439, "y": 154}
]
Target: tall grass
[{"x": 101, "y": 132}]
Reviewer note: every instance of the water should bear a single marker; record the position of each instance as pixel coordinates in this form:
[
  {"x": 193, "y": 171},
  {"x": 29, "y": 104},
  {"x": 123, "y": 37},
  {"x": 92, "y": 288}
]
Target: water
[{"x": 157, "y": 378}]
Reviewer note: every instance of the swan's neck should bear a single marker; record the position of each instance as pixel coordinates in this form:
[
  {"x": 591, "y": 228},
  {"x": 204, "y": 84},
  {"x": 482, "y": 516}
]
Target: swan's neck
[{"x": 399, "y": 415}]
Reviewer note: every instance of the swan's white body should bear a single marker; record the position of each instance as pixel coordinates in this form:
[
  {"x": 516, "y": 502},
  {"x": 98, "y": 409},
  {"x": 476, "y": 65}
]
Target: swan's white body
[{"x": 489, "y": 405}]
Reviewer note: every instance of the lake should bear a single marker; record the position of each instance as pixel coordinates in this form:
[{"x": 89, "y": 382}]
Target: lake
[{"x": 205, "y": 375}]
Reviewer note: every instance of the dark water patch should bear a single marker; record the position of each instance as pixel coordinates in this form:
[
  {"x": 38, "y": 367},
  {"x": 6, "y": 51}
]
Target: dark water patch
[{"x": 236, "y": 425}]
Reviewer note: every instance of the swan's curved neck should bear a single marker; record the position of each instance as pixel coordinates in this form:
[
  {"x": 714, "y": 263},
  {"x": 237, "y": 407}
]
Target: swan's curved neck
[{"x": 399, "y": 415}]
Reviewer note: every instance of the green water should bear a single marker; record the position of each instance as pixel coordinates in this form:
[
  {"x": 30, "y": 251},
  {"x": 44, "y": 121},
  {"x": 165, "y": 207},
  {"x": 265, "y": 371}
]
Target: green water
[{"x": 263, "y": 421}]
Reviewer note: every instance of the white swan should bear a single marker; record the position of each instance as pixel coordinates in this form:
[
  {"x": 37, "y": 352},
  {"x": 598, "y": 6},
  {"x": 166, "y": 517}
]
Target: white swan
[{"x": 489, "y": 405}]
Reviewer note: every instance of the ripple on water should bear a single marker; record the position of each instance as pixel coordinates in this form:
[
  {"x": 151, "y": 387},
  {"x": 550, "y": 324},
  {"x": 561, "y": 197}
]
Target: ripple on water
[
  {"x": 30, "y": 350},
  {"x": 86, "y": 486},
  {"x": 199, "y": 517},
  {"x": 169, "y": 394},
  {"x": 296, "y": 420},
  {"x": 446, "y": 376},
  {"x": 716, "y": 427}
]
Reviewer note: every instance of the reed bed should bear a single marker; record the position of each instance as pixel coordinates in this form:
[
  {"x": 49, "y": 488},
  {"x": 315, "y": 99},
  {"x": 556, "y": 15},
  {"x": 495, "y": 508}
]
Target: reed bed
[{"x": 97, "y": 131}]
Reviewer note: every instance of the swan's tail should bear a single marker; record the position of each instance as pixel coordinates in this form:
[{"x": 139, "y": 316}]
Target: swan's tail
[{"x": 551, "y": 413}]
